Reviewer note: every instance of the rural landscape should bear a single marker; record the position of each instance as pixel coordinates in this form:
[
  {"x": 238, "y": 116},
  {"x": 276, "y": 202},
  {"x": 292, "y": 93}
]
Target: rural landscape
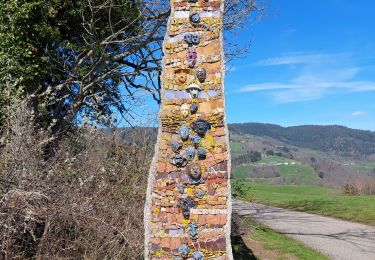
[
  {"x": 324, "y": 170},
  {"x": 187, "y": 130}
]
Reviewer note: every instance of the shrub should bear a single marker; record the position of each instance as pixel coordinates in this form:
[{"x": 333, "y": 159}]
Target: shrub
[
  {"x": 241, "y": 189},
  {"x": 84, "y": 202}
]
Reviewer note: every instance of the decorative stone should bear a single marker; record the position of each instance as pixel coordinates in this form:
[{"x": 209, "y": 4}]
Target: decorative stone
[
  {"x": 176, "y": 146},
  {"x": 181, "y": 76},
  {"x": 184, "y": 250},
  {"x": 181, "y": 188},
  {"x": 193, "y": 230},
  {"x": 196, "y": 39},
  {"x": 179, "y": 161},
  {"x": 201, "y": 127},
  {"x": 201, "y": 153},
  {"x": 191, "y": 57},
  {"x": 193, "y": 89},
  {"x": 195, "y": 18},
  {"x": 200, "y": 194},
  {"x": 185, "y": 110},
  {"x": 195, "y": 171},
  {"x": 184, "y": 133},
  {"x": 190, "y": 153},
  {"x": 196, "y": 140},
  {"x": 192, "y": 38},
  {"x": 197, "y": 256},
  {"x": 194, "y": 108},
  {"x": 201, "y": 74},
  {"x": 186, "y": 204}
]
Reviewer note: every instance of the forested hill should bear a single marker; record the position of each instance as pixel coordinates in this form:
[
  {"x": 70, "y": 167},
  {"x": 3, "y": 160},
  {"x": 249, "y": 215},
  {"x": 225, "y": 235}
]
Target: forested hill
[{"x": 332, "y": 138}]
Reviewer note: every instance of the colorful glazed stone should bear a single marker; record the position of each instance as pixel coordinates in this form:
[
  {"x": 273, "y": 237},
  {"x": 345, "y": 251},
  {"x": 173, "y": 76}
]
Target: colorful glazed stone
[
  {"x": 185, "y": 110},
  {"x": 184, "y": 250},
  {"x": 196, "y": 140},
  {"x": 195, "y": 18},
  {"x": 196, "y": 39},
  {"x": 181, "y": 76},
  {"x": 201, "y": 74},
  {"x": 193, "y": 89},
  {"x": 181, "y": 188},
  {"x": 192, "y": 38},
  {"x": 190, "y": 153},
  {"x": 201, "y": 127},
  {"x": 176, "y": 146},
  {"x": 200, "y": 194},
  {"x": 197, "y": 256},
  {"x": 186, "y": 204},
  {"x": 191, "y": 57},
  {"x": 184, "y": 133},
  {"x": 194, "y": 108},
  {"x": 179, "y": 161},
  {"x": 195, "y": 171},
  {"x": 193, "y": 230},
  {"x": 201, "y": 153}
]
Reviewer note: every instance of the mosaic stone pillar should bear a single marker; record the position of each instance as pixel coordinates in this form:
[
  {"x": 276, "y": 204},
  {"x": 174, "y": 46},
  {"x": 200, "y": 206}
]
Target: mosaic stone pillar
[{"x": 188, "y": 207}]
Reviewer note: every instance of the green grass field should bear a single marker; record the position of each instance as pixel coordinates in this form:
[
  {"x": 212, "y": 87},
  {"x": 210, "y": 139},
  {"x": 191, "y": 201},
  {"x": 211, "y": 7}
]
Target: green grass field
[
  {"x": 315, "y": 199},
  {"x": 293, "y": 172},
  {"x": 240, "y": 172},
  {"x": 284, "y": 246}
]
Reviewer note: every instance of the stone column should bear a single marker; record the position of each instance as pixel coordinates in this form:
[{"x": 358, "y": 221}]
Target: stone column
[{"x": 188, "y": 207}]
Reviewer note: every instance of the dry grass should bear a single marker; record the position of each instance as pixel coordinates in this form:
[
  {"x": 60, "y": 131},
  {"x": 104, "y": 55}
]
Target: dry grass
[{"x": 84, "y": 203}]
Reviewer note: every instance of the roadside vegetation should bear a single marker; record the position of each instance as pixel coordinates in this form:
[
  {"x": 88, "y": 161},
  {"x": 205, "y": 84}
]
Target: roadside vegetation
[{"x": 268, "y": 244}]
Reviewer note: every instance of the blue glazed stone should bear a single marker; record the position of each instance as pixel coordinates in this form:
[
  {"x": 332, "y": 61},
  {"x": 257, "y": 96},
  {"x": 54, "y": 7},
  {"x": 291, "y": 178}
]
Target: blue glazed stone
[
  {"x": 190, "y": 153},
  {"x": 192, "y": 38},
  {"x": 201, "y": 127},
  {"x": 184, "y": 132},
  {"x": 194, "y": 181},
  {"x": 181, "y": 188},
  {"x": 197, "y": 256},
  {"x": 193, "y": 108},
  {"x": 179, "y": 161},
  {"x": 195, "y": 18},
  {"x": 200, "y": 194},
  {"x": 193, "y": 230},
  {"x": 177, "y": 258},
  {"x": 196, "y": 140},
  {"x": 184, "y": 250},
  {"x": 176, "y": 146},
  {"x": 201, "y": 153}
]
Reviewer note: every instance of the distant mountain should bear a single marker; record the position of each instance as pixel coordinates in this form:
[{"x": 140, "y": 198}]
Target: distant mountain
[{"x": 333, "y": 138}]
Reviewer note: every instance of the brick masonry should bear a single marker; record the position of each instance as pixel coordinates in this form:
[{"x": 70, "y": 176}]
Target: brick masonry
[{"x": 188, "y": 207}]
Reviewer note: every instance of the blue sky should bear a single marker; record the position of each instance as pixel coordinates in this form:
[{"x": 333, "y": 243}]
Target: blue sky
[{"x": 311, "y": 62}]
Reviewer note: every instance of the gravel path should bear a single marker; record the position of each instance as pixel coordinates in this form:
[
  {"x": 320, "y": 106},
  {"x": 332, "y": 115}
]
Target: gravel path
[{"x": 338, "y": 239}]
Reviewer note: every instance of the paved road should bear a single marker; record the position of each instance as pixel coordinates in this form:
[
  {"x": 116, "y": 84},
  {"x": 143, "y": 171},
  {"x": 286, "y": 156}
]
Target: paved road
[{"x": 338, "y": 239}]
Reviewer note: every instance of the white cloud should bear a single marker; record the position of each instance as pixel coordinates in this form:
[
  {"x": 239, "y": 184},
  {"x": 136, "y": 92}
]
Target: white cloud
[
  {"x": 358, "y": 113},
  {"x": 300, "y": 58},
  {"x": 313, "y": 85}
]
